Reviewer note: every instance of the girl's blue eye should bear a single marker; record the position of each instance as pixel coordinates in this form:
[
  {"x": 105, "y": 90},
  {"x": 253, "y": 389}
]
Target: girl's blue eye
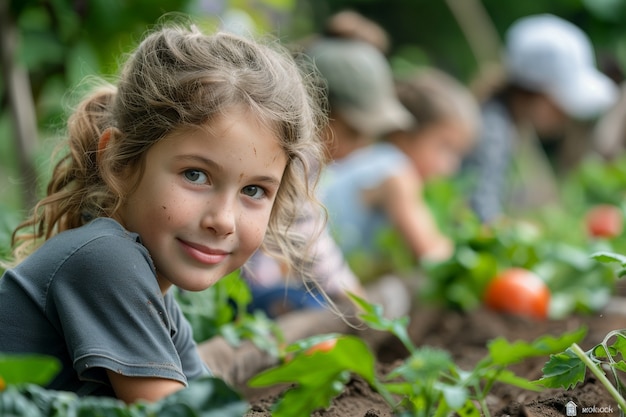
[
  {"x": 253, "y": 191},
  {"x": 195, "y": 176}
]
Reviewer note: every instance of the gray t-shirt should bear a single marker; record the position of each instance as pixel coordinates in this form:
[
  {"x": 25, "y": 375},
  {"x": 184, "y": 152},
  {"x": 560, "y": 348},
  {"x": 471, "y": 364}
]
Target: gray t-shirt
[{"x": 89, "y": 297}]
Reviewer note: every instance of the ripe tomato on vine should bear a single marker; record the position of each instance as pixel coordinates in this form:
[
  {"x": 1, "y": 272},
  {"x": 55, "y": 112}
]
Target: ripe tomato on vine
[
  {"x": 518, "y": 291},
  {"x": 604, "y": 221}
]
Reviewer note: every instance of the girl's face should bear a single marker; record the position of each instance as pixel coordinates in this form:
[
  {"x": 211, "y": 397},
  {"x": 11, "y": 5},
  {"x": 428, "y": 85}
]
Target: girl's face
[
  {"x": 204, "y": 201},
  {"x": 437, "y": 150}
]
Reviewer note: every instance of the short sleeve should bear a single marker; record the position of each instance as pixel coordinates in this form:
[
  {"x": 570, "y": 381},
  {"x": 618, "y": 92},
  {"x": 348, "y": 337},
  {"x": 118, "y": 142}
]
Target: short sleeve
[{"x": 113, "y": 314}]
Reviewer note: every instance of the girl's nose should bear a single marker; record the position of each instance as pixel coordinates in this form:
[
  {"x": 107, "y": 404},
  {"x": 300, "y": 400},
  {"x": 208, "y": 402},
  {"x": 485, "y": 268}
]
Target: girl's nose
[{"x": 220, "y": 215}]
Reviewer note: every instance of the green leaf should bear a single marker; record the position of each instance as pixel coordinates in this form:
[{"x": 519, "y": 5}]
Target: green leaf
[
  {"x": 610, "y": 353},
  {"x": 34, "y": 369},
  {"x": 563, "y": 370},
  {"x": 373, "y": 316},
  {"x": 505, "y": 353},
  {"x": 350, "y": 353},
  {"x": 508, "y": 377},
  {"x": 608, "y": 257},
  {"x": 619, "y": 345},
  {"x": 469, "y": 410},
  {"x": 456, "y": 396},
  {"x": 205, "y": 397},
  {"x": 14, "y": 404},
  {"x": 620, "y": 366},
  {"x": 319, "y": 376},
  {"x": 424, "y": 366},
  {"x": 302, "y": 400},
  {"x": 400, "y": 388}
]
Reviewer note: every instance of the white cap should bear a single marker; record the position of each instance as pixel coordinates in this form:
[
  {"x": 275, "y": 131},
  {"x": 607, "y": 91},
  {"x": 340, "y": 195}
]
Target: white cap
[
  {"x": 547, "y": 54},
  {"x": 360, "y": 85}
]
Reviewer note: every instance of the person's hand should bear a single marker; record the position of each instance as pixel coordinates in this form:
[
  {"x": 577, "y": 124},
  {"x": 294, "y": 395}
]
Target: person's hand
[{"x": 440, "y": 249}]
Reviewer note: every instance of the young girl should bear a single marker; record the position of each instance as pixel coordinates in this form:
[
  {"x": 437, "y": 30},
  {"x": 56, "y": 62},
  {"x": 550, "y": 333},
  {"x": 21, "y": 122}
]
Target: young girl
[
  {"x": 378, "y": 188},
  {"x": 174, "y": 178}
]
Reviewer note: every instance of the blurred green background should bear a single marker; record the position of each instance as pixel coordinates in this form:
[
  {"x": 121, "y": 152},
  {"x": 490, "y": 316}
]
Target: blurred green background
[{"x": 55, "y": 44}]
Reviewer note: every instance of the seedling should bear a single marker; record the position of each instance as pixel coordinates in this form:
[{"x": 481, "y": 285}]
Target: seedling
[
  {"x": 431, "y": 384},
  {"x": 568, "y": 368},
  {"x": 427, "y": 383},
  {"x": 318, "y": 376}
]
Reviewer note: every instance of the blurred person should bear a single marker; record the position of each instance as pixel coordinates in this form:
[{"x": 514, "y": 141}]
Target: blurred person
[
  {"x": 363, "y": 103},
  {"x": 363, "y": 106},
  {"x": 550, "y": 81},
  {"x": 609, "y": 134},
  {"x": 379, "y": 187},
  {"x": 349, "y": 24}
]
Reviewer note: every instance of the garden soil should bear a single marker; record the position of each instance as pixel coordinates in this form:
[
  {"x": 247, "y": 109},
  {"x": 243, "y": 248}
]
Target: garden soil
[{"x": 465, "y": 336}]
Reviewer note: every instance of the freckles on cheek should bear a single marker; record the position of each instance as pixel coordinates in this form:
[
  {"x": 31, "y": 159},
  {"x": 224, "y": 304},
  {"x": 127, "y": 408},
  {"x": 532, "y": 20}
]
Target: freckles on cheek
[
  {"x": 166, "y": 213},
  {"x": 256, "y": 234}
]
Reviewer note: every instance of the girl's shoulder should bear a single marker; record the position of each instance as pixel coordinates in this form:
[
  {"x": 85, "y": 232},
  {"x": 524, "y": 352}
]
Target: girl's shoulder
[
  {"x": 101, "y": 228},
  {"x": 102, "y": 241}
]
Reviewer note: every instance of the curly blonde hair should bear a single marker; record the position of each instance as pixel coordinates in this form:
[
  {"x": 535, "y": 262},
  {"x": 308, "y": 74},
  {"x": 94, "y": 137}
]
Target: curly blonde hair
[{"x": 176, "y": 78}]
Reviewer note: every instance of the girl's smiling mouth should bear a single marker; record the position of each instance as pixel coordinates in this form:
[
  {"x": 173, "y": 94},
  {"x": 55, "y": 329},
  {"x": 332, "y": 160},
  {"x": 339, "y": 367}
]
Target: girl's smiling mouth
[{"x": 203, "y": 254}]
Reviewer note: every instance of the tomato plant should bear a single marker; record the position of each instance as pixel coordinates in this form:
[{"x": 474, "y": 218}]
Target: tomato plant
[
  {"x": 518, "y": 291},
  {"x": 427, "y": 383},
  {"x": 568, "y": 368},
  {"x": 604, "y": 221},
  {"x": 318, "y": 375}
]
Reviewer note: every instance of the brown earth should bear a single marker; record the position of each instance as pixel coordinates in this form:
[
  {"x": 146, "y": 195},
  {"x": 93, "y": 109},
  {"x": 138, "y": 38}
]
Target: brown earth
[{"x": 465, "y": 335}]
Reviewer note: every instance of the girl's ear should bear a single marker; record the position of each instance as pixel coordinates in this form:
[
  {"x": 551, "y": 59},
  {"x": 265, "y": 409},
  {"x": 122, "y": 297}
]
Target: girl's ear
[{"x": 116, "y": 177}]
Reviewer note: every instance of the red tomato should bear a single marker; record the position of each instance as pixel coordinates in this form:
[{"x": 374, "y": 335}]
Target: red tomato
[
  {"x": 604, "y": 220},
  {"x": 518, "y": 291},
  {"x": 325, "y": 346}
]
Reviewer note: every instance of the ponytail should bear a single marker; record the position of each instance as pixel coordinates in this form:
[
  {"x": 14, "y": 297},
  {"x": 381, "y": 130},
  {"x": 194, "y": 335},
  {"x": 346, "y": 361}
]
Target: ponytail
[{"x": 76, "y": 192}]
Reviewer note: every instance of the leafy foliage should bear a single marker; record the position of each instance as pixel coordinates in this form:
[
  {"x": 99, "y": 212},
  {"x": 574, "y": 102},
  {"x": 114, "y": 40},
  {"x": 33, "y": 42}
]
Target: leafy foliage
[
  {"x": 434, "y": 385},
  {"x": 21, "y": 395},
  {"x": 33, "y": 369},
  {"x": 222, "y": 310},
  {"x": 426, "y": 383},
  {"x": 567, "y": 369},
  {"x": 564, "y": 370},
  {"x": 206, "y": 397},
  {"x": 319, "y": 376}
]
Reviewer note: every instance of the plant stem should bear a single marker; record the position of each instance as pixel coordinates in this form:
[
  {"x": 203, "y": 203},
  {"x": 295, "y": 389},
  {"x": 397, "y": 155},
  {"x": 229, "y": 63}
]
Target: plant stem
[
  {"x": 600, "y": 375},
  {"x": 382, "y": 390}
]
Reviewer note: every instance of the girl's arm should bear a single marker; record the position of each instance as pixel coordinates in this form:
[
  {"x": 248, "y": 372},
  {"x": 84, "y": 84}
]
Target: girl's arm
[
  {"x": 410, "y": 215},
  {"x": 131, "y": 389}
]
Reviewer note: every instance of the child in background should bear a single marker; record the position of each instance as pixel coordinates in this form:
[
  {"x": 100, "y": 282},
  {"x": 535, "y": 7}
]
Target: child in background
[
  {"x": 349, "y": 24},
  {"x": 363, "y": 106},
  {"x": 550, "y": 80},
  {"x": 379, "y": 187},
  {"x": 201, "y": 154},
  {"x": 363, "y": 103}
]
